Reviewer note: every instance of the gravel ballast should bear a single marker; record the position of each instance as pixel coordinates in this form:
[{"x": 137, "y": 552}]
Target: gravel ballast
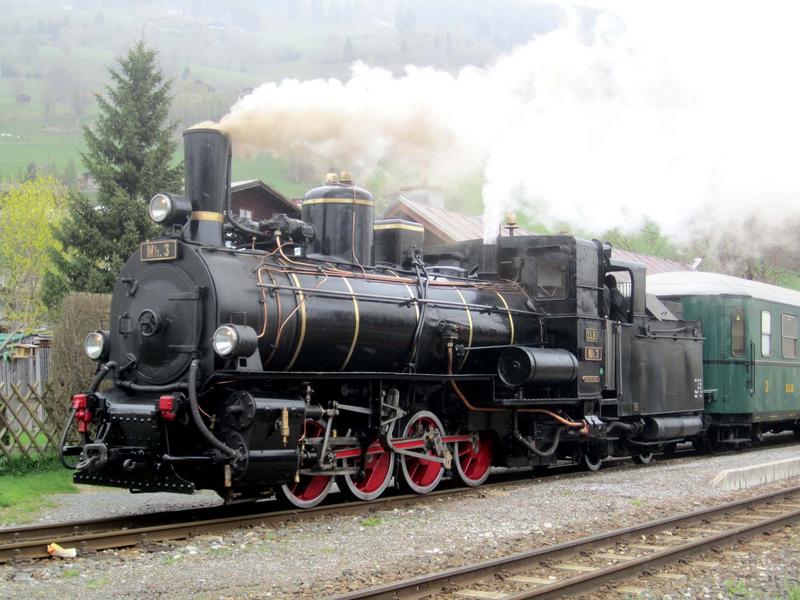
[{"x": 332, "y": 554}]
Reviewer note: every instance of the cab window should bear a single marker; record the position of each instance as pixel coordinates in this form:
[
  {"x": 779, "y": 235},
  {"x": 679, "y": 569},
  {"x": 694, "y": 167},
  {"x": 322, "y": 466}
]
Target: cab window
[
  {"x": 737, "y": 332},
  {"x": 766, "y": 333},
  {"x": 552, "y": 267},
  {"x": 789, "y": 335}
]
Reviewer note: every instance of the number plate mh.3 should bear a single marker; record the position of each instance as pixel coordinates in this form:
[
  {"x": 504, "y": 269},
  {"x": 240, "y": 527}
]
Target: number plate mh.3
[{"x": 160, "y": 250}]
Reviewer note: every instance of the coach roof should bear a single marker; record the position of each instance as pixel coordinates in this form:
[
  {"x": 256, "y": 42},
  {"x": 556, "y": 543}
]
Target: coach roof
[{"x": 695, "y": 283}]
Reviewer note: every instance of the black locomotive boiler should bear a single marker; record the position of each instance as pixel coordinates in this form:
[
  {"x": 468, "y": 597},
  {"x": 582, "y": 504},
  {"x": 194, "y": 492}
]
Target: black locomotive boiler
[{"x": 279, "y": 357}]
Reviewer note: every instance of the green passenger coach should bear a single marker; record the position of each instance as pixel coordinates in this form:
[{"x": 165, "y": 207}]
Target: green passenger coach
[{"x": 750, "y": 364}]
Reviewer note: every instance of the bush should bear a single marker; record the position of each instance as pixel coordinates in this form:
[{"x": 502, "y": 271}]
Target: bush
[{"x": 70, "y": 371}]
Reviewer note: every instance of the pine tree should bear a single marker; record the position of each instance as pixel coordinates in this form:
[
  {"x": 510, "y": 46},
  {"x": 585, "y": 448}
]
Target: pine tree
[
  {"x": 132, "y": 142},
  {"x": 128, "y": 153}
]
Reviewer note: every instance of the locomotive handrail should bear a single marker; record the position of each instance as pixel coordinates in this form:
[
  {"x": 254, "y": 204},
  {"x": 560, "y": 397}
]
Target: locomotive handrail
[
  {"x": 399, "y": 299},
  {"x": 137, "y": 387},
  {"x": 243, "y": 375}
]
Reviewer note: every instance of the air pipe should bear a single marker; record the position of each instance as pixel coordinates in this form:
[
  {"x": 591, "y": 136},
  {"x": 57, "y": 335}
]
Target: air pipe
[{"x": 198, "y": 420}]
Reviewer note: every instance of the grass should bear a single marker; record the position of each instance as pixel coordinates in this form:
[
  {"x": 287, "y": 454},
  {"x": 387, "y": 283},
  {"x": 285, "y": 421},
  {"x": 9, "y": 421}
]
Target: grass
[
  {"x": 371, "y": 521},
  {"x": 96, "y": 584},
  {"x": 22, "y": 495},
  {"x": 36, "y": 146},
  {"x": 19, "y": 464},
  {"x": 41, "y": 439},
  {"x": 735, "y": 587}
]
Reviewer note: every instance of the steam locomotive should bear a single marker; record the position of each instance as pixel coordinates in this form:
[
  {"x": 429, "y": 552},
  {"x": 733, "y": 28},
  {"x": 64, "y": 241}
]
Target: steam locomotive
[{"x": 284, "y": 356}]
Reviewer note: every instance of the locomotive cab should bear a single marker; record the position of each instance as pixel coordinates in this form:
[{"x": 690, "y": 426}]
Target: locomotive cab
[{"x": 561, "y": 275}]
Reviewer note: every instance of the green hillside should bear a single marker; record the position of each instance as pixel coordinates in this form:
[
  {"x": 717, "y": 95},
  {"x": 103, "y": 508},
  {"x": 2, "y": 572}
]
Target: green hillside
[{"x": 54, "y": 56}]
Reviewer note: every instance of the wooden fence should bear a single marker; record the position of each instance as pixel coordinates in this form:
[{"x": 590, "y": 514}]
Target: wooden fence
[
  {"x": 25, "y": 427},
  {"x": 28, "y": 364}
]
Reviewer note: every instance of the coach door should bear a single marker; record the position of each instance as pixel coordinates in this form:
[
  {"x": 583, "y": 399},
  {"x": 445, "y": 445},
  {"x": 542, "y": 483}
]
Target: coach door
[{"x": 739, "y": 351}]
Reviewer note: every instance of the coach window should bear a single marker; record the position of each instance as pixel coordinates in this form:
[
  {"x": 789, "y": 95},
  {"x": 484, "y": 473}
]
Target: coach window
[
  {"x": 789, "y": 334},
  {"x": 766, "y": 333},
  {"x": 737, "y": 332}
]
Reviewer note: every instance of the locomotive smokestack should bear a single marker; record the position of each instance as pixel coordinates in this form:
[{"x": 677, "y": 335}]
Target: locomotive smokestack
[{"x": 207, "y": 163}]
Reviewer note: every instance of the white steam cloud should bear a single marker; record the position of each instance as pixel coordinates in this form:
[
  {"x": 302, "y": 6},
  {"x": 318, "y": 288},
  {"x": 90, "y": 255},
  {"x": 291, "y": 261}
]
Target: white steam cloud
[{"x": 679, "y": 112}]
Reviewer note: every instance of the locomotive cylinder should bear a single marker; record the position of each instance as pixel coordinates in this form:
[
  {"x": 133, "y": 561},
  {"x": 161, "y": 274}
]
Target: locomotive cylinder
[
  {"x": 520, "y": 365},
  {"x": 207, "y": 164}
]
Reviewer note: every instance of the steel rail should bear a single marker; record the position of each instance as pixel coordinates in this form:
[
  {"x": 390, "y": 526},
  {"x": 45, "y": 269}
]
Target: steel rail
[
  {"x": 29, "y": 542},
  {"x": 53, "y": 531},
  {"x": 427, "y": 585}
]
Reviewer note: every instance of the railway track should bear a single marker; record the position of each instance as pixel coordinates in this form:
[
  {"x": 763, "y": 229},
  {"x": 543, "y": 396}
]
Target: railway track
[
  {"x": 585, "y": 564},
  {"x": 101, "y": 534},
  {"x": 30, "y": 542}
]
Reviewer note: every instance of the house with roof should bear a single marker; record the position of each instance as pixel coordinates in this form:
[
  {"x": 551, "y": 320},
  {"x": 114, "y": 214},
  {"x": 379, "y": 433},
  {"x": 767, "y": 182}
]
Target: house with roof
[{"x": 256, "y": 201}]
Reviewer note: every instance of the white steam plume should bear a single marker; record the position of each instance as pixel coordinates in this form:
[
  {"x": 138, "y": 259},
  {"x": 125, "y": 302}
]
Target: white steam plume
[{"x": 678, "y": 112}]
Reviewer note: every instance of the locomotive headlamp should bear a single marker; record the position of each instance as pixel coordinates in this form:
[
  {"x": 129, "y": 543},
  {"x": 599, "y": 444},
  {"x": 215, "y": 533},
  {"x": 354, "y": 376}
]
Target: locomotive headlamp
[
  {"x": 165, "y": 208},
  {"x": 96, "y": 345},
  {"x": 234, "y": 340}
]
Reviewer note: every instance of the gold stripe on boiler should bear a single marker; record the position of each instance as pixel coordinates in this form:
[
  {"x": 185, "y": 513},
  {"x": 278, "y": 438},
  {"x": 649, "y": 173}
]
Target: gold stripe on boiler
[
  {"x": 357, "y": 324},
  {"x": 207, "y": 215},
  {"x": 301, "y": 299},
  {"x": 469, "y": 319},
  {"x": 510, "y": 318},
  {"x": 338, "y": 201}
]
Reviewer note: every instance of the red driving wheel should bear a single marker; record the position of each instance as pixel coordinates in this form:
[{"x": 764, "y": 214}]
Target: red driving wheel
[
  {"x": 377, "y": 474},
  {"x": 473, "y": 461}
]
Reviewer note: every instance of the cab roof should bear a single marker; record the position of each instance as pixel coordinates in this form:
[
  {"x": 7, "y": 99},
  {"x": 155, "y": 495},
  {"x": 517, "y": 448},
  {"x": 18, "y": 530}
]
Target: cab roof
[{"x": 696, "y": 283}]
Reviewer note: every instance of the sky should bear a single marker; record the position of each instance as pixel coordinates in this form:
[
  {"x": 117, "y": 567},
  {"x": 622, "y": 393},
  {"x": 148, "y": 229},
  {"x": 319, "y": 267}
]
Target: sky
[{"x": 682, "y": 113}]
